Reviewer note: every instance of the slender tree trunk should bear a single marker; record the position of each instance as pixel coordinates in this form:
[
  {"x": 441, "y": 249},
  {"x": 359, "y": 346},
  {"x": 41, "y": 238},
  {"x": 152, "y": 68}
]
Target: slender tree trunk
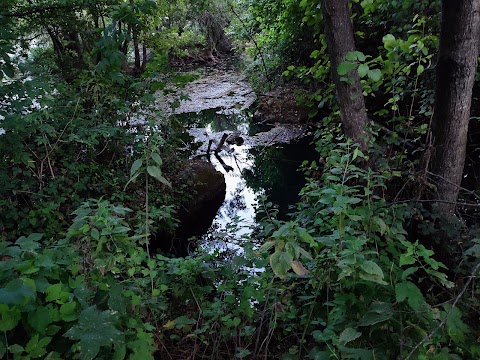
[
  {"x": 455, "y": 75},
  {"x": 125, "y": 42},
  {"x": 136, "y": 49},
  {"x": 340, "y": 41},
  {"x": 144, "y": 56}
]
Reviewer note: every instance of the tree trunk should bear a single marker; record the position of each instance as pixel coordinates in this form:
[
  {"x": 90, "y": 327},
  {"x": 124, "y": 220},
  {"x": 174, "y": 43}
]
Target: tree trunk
[
  {"x": 455, "y": 75},
  {"x": 144, "y": 56},
  {"x": 136, "y": 48},
  {"x": 340, "y": 41}
]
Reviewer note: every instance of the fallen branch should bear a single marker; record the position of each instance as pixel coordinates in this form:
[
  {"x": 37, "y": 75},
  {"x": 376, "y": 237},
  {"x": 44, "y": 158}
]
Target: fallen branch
[{"x": 221, "y": 143}]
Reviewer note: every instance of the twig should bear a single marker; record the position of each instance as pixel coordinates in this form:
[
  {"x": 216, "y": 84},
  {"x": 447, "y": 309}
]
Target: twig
[
  {"x": 221, "y": 143},
  {"x": 262, "y": 320},
  {"x": 64, "y": 129},
  {"x": 444, "y": 321},
  {"x": 252, "y": 39},
  {"x": 198, "y": 322},
  {"x": 450, "y": 183},
  {"x": 209, "y": 147}
]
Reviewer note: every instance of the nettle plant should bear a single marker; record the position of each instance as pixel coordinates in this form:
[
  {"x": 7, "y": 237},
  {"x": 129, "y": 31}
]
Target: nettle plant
[{"x": 362, "y": 285}]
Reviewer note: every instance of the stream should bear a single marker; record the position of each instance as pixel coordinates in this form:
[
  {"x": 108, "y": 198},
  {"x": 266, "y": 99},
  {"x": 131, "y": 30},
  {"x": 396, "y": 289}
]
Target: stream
[{"x": 256, "y": 160}]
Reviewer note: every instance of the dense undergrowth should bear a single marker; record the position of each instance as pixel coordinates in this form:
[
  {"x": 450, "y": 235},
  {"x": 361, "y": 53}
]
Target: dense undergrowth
[{"x": 351, "y": 275}]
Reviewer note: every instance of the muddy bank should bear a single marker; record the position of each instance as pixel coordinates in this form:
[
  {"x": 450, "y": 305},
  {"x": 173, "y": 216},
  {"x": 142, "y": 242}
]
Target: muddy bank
[{"x": 222, "y": 87}]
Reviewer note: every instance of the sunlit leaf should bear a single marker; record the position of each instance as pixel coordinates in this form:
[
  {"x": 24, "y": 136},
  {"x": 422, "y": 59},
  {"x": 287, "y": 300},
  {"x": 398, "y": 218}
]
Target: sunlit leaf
[
  {"x": 157, "y": 174},
  {"x": 298, "y": 268}
]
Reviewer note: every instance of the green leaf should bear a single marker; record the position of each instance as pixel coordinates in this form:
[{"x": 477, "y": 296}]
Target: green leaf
[
  {"x": 360, "y": 56},
  {"x": 16, "y": 292},
  {"x": 381, "y": 224},
  {"x": 30, "y": 243},
  {"x": 409, "y": 272},
  {"x": 16, "y": 349},
  {"x": 242, "y": 353},
  {"x": 363, "y": 70},
  {"x": 305, "y": 236},
  {"x": 371, "y": 267},
  {"x": 285, "y": 228},
  {"x": 349, "y": 334},
  {"x": 40, "y": 318},
  {"x": 67, "y": 311},
  {"x": 378, "y": 312},
  {"x": 267, "y": 246},
  {"x": 293, "y": 249},
  {"x": 420, "y": 69},
  {"x": 345, "y": 67},
  {"x": 455, "y": 326},
  {"x": 407, "y": 259},
  {"x": 36, "y": 348},
  {"x": 116, "y": 300},
  {"x": 95, "y": 329},
  {"x": 236, "y": 321},
  {"x": 95, "y": 234},
  {"x": 157, "y": 174},
  {"x": 280, "y": 261},
  {"x": 372, "y": 278},
  {"x": 375, "y": 74},
  {"x": 56, "y": 294},
  {"x": 156, "y": 157},
  {"x": 317, "y": 354},
  {"x": 137, "y": 164},
  {"x": 120, "y": 353},
  {"x": 351, "y": 56},
  {"x": 8, "y": 70},
  {"x": 183, "y": 320},
  {"x": 389, "y": 42},
  {"x": 410, "y": 292},
  {"x": 9, "y": 317},
  {"x": 142, "y": 347}
]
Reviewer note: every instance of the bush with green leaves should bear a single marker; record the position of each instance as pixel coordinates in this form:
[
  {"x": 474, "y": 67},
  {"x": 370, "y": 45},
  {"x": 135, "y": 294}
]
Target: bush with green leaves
[
  {"x": 66, "y": 298},
  {"x": 363, "y": 289},
  {"x": 98, "y": 293}
]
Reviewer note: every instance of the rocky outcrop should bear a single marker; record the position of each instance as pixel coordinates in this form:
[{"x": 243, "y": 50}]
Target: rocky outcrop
[
  {"x": 208, "y": 189},
  {"x": 280, "y": 107},
  {"x": 207, "y": 193}
]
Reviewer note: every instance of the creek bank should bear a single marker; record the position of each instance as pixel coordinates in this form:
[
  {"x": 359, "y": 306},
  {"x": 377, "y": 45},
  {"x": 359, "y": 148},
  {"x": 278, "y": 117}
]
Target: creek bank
[
  {"x": 222, "y": 135},
  {"x": 280, "y": 106}
]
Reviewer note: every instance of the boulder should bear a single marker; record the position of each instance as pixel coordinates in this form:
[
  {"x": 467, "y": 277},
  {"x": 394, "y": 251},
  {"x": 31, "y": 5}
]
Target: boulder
[
  {"x": 207, "y": 189},
  {"x": 280, "y": 107}
]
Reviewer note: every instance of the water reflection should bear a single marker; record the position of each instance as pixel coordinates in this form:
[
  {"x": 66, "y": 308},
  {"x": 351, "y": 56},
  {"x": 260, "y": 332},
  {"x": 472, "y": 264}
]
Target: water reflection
[{"x": 249, "y": 171}]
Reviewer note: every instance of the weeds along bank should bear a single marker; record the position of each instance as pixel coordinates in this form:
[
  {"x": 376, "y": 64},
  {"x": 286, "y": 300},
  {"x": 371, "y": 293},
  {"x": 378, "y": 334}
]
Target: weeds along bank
[
  {"x": 350, "y": 275},
  {"x": 346, "y": 282}
]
